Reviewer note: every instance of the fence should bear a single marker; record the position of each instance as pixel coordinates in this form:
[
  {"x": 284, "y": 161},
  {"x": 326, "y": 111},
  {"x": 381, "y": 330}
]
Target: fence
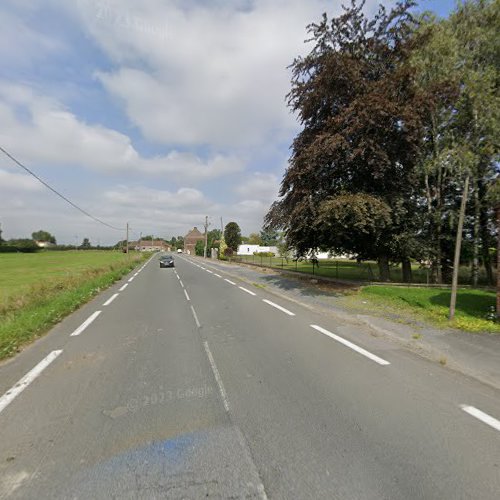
[{"x": 351, "y": 270}]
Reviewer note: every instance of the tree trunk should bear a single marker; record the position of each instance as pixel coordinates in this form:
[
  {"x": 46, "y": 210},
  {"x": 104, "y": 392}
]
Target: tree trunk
[
  {"x": 475, "y": 242},
  {"x": 407, "y": 272},
  {"x": 485, "y": 233},
  {"x": 458, "y": 243},
  {"x": 498, "y": 261},
  {"x": 383, "y": 268}
]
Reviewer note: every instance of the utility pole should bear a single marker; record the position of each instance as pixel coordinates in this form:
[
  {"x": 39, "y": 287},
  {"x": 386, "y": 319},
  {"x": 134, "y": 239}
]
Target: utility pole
[
  {"x": 206, "y": 236},
  {"x": 458, "y": 243},
  {"x": 126, "y": 248}
]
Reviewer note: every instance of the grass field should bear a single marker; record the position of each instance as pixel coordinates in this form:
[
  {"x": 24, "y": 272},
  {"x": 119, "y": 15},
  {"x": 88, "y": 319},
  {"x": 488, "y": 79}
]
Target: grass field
[
  {"x": 38, "y": 290},
  {"x": 19, "y": 271},
  {"x": 432, "y": 304},
  {"x": 349, "y": 269}
]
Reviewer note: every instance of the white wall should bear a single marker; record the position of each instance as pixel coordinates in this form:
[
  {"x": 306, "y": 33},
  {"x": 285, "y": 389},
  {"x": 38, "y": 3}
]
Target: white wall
[{"x": 250, "y": 249}]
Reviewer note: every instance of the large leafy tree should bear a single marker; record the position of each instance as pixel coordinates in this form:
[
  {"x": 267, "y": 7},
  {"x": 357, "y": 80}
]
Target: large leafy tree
[
  {"x": 213, "y": 238},
  {"x": 254, "y": 239},
  {"x": 361, "y": 117},
  {"x": 42, "y": 235},
  {"x": 269, "y": 237},
  {"x": 458, "y": 67},
  {"x": 85, "y": 244},
  {"x": 232, "y": 236}
]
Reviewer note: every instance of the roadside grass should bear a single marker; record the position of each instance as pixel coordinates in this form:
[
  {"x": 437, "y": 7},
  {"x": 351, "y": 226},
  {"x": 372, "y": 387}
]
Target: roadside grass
[
  {"x": 29, "y": 309},
  {"x": 349, "y": 269},
  {"x": 432, "y": 304}
]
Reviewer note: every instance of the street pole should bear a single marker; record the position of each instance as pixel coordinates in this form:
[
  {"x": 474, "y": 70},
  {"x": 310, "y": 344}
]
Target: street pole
[
  {"x": 126, "y": 249},
  {"x": 458, "y": 243},
  {"x": 206, "y": 237}
]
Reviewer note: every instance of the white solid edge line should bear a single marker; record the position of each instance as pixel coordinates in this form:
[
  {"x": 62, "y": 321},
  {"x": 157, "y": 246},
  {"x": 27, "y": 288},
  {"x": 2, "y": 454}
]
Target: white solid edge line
[
  {"x": 195, "y": 317},
  {"x": 218, "y": 275},
  {"x": 186, "y": 294},
  {"x": 352, "y": 346},
  {"x": 217, "y": 376},
  {"x": 113, "y": 297},
  {"x": 19, "y": 387},
  {"x": 480, "y": 415},
  {"x": 123, "y": 287},
  {"x": 86, "y": 323},
  {"x": 286, "y": 311},
  {"x": 229, "y": 281},
  {"x": 245, "y": 290}
]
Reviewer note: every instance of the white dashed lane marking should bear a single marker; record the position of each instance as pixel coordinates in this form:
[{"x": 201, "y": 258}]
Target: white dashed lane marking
[
  {"x": 480, "y": 415},
  {"x": 351, "y": 345},
  {"x": 19, "y": 387},
  {"x": 282, "y": 309},
  {"x": 113, "y": 297},
  {"x": 85, "y": 324}
]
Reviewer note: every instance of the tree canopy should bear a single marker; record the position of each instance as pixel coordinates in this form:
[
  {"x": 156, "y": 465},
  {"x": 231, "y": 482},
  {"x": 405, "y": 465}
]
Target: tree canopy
[
  {"x": 361, "y": 118},
  {"x": 42, "y": 235},
  {"x": 396, "y": 113},
  {"x": 232, "y": 236}
]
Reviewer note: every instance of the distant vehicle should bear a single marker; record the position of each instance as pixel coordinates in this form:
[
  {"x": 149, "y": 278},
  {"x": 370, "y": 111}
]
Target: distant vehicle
[
  {"x": 167, "y": 261},
  {"x": 179, "y": 250}
]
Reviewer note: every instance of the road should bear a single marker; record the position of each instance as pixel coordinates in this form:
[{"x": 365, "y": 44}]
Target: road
[{"x": 191, "y": 384}]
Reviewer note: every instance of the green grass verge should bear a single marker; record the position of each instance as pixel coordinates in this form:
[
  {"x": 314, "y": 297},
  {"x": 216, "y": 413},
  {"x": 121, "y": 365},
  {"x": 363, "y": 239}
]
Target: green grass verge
[
  {"x": 350, "y": 269},
  {"x": 33, "y": 309},
  {"x": 432, "y": 305}
]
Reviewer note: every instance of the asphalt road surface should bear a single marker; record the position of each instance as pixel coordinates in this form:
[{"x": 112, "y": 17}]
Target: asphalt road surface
[{"x": 187, "y": 383}]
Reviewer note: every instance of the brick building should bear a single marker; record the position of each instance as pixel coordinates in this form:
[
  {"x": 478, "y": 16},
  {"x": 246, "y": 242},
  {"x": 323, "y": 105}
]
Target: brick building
[{"x": 190, "y": 240}]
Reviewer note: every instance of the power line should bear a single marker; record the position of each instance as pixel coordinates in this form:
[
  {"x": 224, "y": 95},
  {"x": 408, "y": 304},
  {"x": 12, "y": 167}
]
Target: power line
[{"x": 57, "y": 192}]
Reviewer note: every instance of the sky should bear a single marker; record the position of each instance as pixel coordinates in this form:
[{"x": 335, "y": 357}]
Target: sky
[{"x": 156, "y": 113}]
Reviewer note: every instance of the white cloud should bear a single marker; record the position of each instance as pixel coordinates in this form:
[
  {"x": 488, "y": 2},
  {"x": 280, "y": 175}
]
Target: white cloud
[
  {"x": 184, "y": 198},
  {"x": 220, "y": 76},
  {"x": 190, "y": 75},
  {"x": 58, "y": 137},
  {"x": 259, "y": 186},
  {"x": 21, "y": 46},
  {"x": 17, "y": 182}
]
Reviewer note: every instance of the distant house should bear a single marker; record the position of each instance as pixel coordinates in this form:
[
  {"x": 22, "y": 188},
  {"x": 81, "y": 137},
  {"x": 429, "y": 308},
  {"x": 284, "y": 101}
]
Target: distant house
[
  {"x": 151, "y": 246},
  {"x": 190, "y": 240}
]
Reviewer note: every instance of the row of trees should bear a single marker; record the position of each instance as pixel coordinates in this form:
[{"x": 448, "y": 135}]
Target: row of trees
[
  {"x": 399, "y": 115},
  {"x": 232, "y": 239}
]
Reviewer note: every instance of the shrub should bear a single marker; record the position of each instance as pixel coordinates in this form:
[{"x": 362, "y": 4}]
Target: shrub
[{"x": 264, "y": 254}]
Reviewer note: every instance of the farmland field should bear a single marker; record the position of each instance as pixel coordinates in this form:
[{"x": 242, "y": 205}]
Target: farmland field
[
  {"x": 38, "y": 290},
  {"x": 18, "y": 271}
]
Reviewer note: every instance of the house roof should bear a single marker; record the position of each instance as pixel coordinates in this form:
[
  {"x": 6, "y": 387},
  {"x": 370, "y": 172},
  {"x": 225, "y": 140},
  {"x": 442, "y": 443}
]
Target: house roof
[
  {"x": 149, "y": 243},
  {"x": 194, "y": 233}
]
